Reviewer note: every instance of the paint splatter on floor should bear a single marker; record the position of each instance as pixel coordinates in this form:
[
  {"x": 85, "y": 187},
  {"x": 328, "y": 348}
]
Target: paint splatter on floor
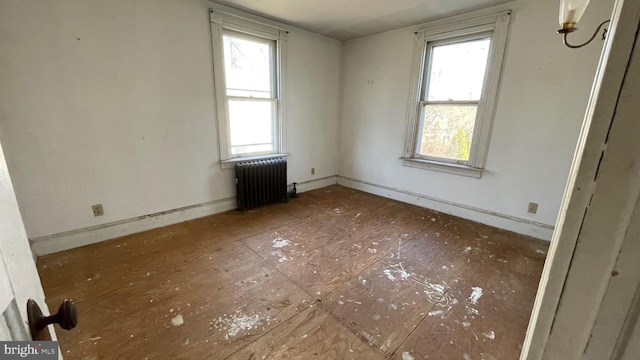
[
  {"x": 177, "y": 320},
  {"x": 407, "y": 356},
  {"x": 489, "y": 335},
  {"x": 237, "y": 323},
  {"x": 281, "y": 256},
  {"x": 389, "y": 275},
  {"x": 280, "y": 243},
  {"x": 476, "y": 293}
]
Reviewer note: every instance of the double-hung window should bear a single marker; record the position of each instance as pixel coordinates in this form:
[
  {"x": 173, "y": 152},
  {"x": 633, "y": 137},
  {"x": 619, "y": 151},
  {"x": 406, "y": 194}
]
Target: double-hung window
[
  {"x": 248, "y": 73},
  {"x": 455, "y": 80}
]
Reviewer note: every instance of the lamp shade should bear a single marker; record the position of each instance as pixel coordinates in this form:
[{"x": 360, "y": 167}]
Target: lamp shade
[{"x": 571, "y": 11}]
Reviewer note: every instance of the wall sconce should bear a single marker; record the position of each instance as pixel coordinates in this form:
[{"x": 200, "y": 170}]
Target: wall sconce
[{"x": 570, "y": 13}]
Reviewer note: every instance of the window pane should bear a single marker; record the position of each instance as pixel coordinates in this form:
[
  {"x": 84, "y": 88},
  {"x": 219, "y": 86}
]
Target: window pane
[
  {"x": 251, "y": 126},
  {"x": 447, "y": 131},
  {"x": 248, "y": 66},
  {"x": 456, "y": 71}
]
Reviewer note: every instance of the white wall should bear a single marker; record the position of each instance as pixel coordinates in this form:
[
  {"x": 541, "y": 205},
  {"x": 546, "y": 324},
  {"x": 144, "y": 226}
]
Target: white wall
[
  {"x": 112, "y": 102},
  {"x": 540, "y": 108}
]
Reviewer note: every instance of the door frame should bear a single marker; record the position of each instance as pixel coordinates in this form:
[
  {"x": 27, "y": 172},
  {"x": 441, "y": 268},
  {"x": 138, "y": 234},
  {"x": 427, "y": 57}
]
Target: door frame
[{"x": 596, "y": 208}]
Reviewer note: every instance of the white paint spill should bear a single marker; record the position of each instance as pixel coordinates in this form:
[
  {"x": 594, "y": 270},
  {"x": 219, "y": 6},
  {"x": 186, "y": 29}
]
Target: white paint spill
[
  {"x": 436, "y": 312},
  {"x": 281, "y": 256},
  {"x": 389, "y": 275},
  {"x": 238, "y": 322},
  {"x": 406, "y": 356},
  {"x": 436, "y": 287},
  {"x": 177, "y": 320},
  {"x": 280, "y": 243},
  {"x": 376, "y": 317},
  {"x": 489, "y": 335},
  {"x": 403, "y": 274},
  {"x": 399, "y": 271},
  {"x": 476, "y": 293},
  {"x": 467, "y": 249}
]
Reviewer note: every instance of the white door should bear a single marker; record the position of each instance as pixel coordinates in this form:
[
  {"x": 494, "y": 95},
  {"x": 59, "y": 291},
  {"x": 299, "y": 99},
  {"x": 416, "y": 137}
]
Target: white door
[{"x": 19, "y": 280}]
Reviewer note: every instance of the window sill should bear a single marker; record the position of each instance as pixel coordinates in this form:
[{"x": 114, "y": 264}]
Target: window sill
[
  {"x": 448, "y": 168},
  {"x": 231, "y": 163}
]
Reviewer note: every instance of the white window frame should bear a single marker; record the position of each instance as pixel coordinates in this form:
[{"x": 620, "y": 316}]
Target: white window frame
[
  {"x": 497, "y": 25},
  {"x": 222, "y": 21}
]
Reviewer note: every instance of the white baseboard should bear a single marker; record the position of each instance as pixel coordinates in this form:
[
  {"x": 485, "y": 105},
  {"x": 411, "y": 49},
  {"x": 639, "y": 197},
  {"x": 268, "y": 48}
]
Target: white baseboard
[
  {"x": 502, "y": 221},
  {"x": 315, "y": 183},
  {"x": 76, "y": 238}
]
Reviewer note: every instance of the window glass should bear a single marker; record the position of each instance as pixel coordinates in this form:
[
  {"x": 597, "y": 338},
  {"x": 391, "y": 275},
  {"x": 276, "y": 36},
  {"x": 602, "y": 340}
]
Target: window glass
[
  {"x": 447, "y": 131},
  {"x": 457, "y": 70},
  {"x": 249, "y": 75},
  {"x": 251, "y": 126},
  {"x": 248, "y": 66}
]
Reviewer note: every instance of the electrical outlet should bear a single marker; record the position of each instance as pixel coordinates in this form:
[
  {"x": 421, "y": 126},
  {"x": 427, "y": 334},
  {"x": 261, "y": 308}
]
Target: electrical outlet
[
  {"x": 533, "y": 208},
  {"x": 97, "y": 210},
  {"x": 313, "y": 171}
]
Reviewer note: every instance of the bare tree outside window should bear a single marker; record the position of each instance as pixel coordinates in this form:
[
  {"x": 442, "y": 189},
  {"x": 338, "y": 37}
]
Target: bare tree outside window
[{"x": 452, "y": 91}]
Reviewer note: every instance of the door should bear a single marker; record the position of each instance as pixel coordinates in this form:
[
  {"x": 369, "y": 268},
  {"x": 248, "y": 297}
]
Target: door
[{"x": 19, "y": 280}]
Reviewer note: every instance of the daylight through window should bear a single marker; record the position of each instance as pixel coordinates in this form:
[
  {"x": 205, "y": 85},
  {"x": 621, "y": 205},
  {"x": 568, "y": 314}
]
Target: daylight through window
[
  {"x": 455, "y": 77},
  {"x": 251, "y": 93},
  {"x": 249, "y": 66},
  {"x": 453, "y": 88}
]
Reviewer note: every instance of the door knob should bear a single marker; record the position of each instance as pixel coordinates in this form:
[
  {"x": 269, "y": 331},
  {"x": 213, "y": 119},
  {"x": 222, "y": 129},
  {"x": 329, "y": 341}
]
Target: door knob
[{"x": 67, "y": 318}]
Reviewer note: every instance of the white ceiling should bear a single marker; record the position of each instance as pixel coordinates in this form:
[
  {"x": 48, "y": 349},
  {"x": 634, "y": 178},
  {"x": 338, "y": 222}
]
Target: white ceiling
[{"x": 350, "y": 19}]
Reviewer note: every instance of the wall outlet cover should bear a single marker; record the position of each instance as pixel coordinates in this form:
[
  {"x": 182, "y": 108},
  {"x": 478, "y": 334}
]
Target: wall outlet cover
[{"x": 97, "y": 210}]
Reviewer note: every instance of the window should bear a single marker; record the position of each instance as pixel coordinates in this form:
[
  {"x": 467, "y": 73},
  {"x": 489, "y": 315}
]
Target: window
[
  {"x": 456, "y": 73},
  {"x": 251, "y": 93},
  {"x": 248, "y": 73}
]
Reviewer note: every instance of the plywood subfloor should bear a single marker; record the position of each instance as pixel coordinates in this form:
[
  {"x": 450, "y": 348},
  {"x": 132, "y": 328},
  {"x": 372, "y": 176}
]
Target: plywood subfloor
[{"x": 333, "y": 274}]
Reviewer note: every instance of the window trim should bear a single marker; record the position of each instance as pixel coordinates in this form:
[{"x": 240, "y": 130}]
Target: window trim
[
  {"x": 498, "y": 25},
  {"x": 221, "y": 21}
]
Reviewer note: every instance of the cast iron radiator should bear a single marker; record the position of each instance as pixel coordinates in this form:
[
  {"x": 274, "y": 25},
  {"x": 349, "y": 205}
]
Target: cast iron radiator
[{"x": 261, "y": 182}]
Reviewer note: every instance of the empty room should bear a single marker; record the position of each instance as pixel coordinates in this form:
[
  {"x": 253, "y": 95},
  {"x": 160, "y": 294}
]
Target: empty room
[{"x": 245, "y": 179}]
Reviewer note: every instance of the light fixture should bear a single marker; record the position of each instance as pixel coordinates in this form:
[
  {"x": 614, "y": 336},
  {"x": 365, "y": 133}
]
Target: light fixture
[{"x": 570, "y": 13}]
